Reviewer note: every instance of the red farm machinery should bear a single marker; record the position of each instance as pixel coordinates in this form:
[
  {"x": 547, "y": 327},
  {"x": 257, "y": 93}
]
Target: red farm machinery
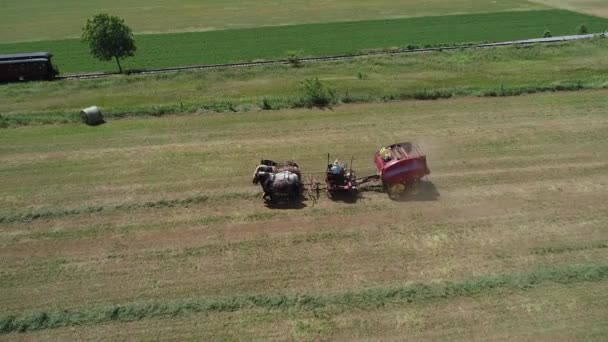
[
  {"x": 399, "y": 167},
  {"x": 340, "y": 179}
]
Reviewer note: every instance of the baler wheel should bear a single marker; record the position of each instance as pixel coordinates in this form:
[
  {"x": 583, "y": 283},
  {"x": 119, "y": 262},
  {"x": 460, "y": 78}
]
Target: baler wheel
[{"x": 395, "y": 190}]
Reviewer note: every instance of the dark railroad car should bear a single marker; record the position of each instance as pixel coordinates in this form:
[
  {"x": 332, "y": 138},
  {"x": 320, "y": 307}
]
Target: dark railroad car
[{"x": 27, "y": 67}]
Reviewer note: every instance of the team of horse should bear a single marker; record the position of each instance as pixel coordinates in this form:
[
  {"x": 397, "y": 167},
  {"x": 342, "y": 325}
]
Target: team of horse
[{"x": 280, "y": 182}]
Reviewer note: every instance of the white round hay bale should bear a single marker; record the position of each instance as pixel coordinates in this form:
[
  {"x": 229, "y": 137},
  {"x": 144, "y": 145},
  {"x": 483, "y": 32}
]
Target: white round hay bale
[{"x": 91, "y": 116}]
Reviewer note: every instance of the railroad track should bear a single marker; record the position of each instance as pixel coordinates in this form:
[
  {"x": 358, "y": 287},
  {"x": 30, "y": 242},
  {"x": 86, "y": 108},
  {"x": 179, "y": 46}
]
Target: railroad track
[{"x": 342, "y": 57}]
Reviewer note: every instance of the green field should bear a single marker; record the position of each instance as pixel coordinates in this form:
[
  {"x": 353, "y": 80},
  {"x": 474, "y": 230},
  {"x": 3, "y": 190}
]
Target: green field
[
  {"x": 65, "y": 18},
  {"x": 151, "y": 229},
  {"x": 470, "y": 72},
  {"x": 168, "y": 50}
]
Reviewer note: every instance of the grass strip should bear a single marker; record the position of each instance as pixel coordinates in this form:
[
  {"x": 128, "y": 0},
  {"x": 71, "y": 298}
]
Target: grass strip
[
  {"x": 476, "y": 72},
  {"x": 341, "y": 301},
  {"x": 45, "y": 118}
]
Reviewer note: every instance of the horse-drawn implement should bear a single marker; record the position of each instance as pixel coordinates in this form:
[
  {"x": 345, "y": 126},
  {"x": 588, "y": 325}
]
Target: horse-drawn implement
[
  {"x": 340, "y": 179},
  {"x": 399, "y": 167}
]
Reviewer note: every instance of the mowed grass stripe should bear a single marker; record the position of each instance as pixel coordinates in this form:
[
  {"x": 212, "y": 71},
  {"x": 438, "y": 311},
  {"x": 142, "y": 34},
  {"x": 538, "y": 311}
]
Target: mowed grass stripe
[
  {"x": 69, "y": 230},
  {"x": 342, "y": 301},
  {"x": 482, "y": 177},
  {"x": 214, "y": 47}
]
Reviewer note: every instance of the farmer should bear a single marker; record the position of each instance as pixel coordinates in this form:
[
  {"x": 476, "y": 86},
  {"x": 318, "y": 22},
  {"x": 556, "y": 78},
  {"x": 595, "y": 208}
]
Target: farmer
[
  {"x": 386, "y": 154},
  {"x": 337, "y": 168}
]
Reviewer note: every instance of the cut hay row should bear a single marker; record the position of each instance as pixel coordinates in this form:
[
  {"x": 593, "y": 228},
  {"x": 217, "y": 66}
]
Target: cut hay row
[
  {"x": 362, "y": 299},
  {"x": 511, "y": 315},
  {"x": 53, "y": 213}
]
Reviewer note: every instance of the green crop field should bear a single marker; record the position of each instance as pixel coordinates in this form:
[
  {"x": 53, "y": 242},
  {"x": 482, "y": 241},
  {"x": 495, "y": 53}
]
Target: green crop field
[
  {"x": 151, "y": 229},
  {"x": 44, "y": 20},
  {"x": 167, "y": 50}
]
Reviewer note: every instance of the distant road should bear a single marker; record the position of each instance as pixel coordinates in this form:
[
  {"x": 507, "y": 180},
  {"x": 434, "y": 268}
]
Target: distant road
[{"x": 348, "y": 56}]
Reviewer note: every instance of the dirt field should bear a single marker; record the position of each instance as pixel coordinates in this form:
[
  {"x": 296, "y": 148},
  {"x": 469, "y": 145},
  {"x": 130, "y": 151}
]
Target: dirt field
[
  {"x": 163, "y": 211},
  {"x": 594, "y": 7}
]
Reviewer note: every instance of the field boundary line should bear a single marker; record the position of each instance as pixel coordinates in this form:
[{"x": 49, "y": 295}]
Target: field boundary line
[{"x": 532, "y": 41}]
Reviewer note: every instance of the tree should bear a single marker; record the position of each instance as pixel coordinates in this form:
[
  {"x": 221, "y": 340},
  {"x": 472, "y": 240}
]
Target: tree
[
  {"x": 294, "y": 60},
  {"x": 108, "y": 38},
  {"x": 583, "y": 29},
  {"x": 547, "y": 34},
  {"x": 316, "y": 94}
]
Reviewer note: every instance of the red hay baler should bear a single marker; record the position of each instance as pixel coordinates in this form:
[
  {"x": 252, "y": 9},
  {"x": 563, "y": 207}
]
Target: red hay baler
[{"x": 400, "y": 165}]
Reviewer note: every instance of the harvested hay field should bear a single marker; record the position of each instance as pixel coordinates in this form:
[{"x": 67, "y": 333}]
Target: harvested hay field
[
  {"x": 597, "y": 8},
  {"x": 151, "y": 229}
]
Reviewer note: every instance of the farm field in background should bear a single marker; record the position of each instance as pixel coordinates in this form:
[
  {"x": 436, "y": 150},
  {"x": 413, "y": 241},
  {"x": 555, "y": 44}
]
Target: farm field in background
[
  {"x": 180, "y": 49},
  {"x": 594, "y": 7},
  {"x": 471, "y": 72},
  {"x": 178, "y": 220},
  {"x": 63, "y": 19}
]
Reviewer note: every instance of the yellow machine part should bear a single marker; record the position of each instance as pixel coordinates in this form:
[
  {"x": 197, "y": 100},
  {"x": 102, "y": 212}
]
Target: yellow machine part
[{"x": 396, "y": 189}]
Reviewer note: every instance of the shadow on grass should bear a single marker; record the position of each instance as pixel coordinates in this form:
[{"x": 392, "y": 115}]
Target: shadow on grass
[
  {"x": 299, "y": 204},
  {"x": 422, "y": 191},
  {"x": 349, "y": 197}
]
